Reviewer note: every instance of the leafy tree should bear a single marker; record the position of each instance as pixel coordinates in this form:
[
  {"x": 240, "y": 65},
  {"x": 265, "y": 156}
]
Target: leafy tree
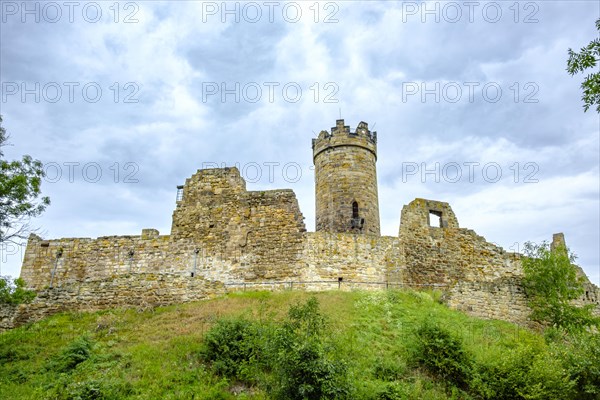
[
  {"x": 20, "y": 183},
  {"x": 14, "y": 292},
  {"x": 552, "y": 283},
  {"x": 587, "y": 58}
]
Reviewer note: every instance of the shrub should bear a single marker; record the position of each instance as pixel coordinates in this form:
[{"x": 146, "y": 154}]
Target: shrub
[
  {"x": 389, "y": 369},
  {"x": 580, "y": 356},
  {"x": 74, "y": 354},
  {"x": 442, "y": 354},
  {"x": 306, "y": 371},
  {"x": 64, "y": 388},
  {"x": 523, "y": 374},
  {"x": 14, "y": 292},
  {"x": 306, "y": 366},
  {"x": 392, "y": 391},
  {"x": 230, "y": 345},
  {"x": 10, "y": 354}
]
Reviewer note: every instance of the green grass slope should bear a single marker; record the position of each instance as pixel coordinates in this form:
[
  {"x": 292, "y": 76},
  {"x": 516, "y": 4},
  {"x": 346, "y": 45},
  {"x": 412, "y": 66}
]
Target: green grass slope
[{"x": 392, "y": 345}]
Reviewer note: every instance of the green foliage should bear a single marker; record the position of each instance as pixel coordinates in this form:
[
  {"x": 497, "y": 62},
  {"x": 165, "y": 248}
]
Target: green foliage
[
  {"x": 392, "y": 391},
  {"x": 389, "y": 369},
  {"x": 587, "y": 58},
  {"x": 358, "y": 345},
  {"x": 551, "y": 283},
  {"x": 306, "y": 319},
  {"x": 20, "y": 187},
  {"x": 442, "y": 354},
  {"x": 65, "y": 388},
  {"x": 306, "y": 366},
  {"x": 14, "y": 292},
  {"x": 524, "y": 373},
  {"x": 10, "y": 354},
  {"x": 303, "y": 363},
  {"x": 230, "y": 346},
  {"x": 74, "y": 354},
  {"x": 580, "y": 355}
]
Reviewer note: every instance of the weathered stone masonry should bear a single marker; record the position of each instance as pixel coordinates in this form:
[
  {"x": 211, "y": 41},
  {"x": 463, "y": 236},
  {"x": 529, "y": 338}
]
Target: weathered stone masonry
[
  {"x": 225, "y": 238},
  {"x": 346, "y": 180}
]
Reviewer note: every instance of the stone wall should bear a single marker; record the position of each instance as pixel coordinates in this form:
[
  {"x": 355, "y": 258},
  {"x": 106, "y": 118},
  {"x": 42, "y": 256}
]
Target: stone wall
[
  {"x": 351, "y": 258},
  {"x": 225, "y": 238},
  {"x": 127, "y": 290},
  {"x": 479, "y": 277},
  {"x": 444, "y": 253},
  {"x": 257, "y": 234},
  {"x": 502, "y": 298},
  {"x": 60, "y": 262}
]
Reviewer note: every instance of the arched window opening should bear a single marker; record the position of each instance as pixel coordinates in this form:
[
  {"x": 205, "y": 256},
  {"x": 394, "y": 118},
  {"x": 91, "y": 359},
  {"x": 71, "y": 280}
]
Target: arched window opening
[{"x": 356, "y": 221}]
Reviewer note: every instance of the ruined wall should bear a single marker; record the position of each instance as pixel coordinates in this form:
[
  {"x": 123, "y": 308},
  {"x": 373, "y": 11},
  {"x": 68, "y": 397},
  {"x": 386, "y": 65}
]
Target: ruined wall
[
  {"x": 65, "y": 261},
  {"x": 502, "y": 298},
  {"x": 128, "y": 290},
  {"x": 220, "y": 231},
  {"x": 225, "y": 238},
  {"x": 448, "y": 254},
  {"x": 258, "y": 234},
  {"x": 479, "y": 278}
]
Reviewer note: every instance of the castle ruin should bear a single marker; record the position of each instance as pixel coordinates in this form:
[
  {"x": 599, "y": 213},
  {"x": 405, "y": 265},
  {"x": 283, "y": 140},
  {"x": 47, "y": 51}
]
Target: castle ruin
[{"x": 225, "y": 238}]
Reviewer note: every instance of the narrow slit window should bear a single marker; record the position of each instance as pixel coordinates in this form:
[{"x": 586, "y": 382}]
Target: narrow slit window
[
  {"x": 355, "y": 210},
  {"x": 179, "y": 196}
]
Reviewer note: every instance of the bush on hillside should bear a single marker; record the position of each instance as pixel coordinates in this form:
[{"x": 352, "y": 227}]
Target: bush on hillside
[{"x": 442, "y": 354}]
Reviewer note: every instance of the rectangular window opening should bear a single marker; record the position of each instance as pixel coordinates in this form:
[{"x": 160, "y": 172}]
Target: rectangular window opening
[{"x": 435, "y": 219}]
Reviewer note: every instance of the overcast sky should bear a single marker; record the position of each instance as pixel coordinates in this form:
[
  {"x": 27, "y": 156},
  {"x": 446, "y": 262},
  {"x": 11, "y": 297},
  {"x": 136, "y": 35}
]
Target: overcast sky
[{"x": 471, "y": 102}]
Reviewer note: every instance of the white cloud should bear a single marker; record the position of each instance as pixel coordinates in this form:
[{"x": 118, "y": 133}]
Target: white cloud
[{"x": 368, "y": 55}]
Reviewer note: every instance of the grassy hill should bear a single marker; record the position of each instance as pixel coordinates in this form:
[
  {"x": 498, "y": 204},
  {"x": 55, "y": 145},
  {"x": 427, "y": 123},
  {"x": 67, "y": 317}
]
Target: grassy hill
[{"x": 358, "y": 345}]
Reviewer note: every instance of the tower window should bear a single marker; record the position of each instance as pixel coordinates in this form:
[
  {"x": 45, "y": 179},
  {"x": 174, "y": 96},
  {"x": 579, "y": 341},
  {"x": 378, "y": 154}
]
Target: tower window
[
  {"x": 435, "y": 219},
  {"x": 356, "y": 222},
  {"x": 179, "y": 196},
  {"x": 354, "y": 210}
]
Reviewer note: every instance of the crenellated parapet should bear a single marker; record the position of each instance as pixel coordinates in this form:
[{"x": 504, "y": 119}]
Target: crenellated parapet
[{"x": 342, "y": 136}]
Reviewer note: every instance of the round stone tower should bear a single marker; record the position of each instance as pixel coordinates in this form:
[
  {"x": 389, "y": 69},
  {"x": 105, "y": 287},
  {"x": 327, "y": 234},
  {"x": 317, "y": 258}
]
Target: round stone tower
[{"x": 346, "y": 180}]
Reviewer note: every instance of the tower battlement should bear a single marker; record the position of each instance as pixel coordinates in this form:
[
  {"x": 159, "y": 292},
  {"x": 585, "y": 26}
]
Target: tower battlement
[
  {"x": 341, "y": 135},
  {"x": 361, "y": 130}
]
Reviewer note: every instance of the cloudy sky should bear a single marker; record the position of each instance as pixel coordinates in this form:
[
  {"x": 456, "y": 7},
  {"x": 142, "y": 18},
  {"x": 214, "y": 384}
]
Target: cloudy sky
[{"x": 471, "y": 101}]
